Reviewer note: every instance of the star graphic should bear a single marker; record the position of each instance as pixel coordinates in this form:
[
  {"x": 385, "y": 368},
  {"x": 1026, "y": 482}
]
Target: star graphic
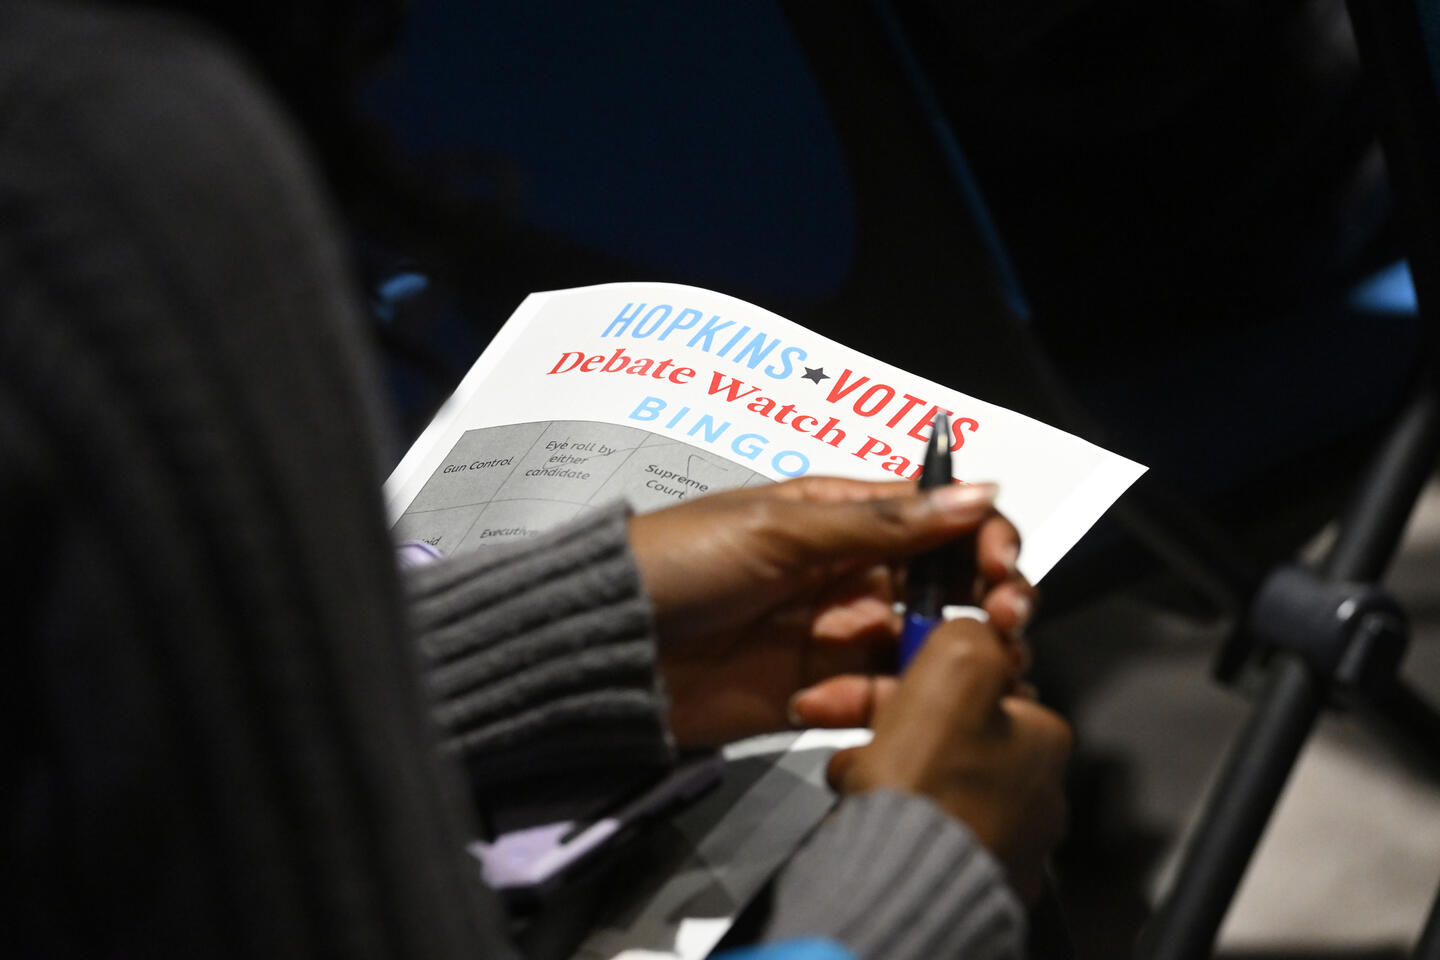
[{"x": 815, "y": 375}]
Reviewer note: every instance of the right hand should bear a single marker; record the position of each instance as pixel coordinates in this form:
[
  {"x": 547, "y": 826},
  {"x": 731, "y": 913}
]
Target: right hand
[
  {"x": 954, "y": 730},
  {"x": 763, "y": 591}
]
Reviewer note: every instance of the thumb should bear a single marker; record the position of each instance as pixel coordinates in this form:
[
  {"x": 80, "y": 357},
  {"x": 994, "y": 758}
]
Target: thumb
[
  {"x": 960, "y": 676},
  {"x": 870, "y": 531}
]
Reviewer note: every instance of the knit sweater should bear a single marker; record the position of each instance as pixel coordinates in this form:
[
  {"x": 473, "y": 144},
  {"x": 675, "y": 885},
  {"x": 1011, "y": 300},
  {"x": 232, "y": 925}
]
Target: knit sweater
[{"x": 225, "y": 730}]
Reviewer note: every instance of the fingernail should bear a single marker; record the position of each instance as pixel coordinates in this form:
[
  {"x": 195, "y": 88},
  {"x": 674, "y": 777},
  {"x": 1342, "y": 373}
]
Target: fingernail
[
  {"x": 1021, "y": 607},
  {"x": 792, "y": 713},
  {"x": 963, "y": 497},
  {"x": 1010, "y": 557}
]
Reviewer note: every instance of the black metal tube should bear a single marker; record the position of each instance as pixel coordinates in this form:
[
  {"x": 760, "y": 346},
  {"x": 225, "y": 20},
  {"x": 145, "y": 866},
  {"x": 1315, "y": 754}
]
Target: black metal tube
[
  {"x": 1380, "y": 507},
  {"x": 1236, "y": 812}
]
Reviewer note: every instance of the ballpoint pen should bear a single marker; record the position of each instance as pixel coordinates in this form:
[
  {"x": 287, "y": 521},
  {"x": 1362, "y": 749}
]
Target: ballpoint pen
[
  {"x": 931, "y": 574},
  {"x": 926, "y": 581}
]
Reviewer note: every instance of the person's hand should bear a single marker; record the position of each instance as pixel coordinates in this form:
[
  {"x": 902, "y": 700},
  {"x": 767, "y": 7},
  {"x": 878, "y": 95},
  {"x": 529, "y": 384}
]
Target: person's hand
[
  {"x": 766, "y": 591},
  {"x": 953, "y": 729}
]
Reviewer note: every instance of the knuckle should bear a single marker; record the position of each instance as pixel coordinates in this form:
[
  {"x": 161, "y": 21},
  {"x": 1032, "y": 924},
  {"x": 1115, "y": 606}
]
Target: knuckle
[
  {"x": 799, "y": 488},
  {"x": 887, "y": 513},
  {"x": 998, "y": 525},
  {"x": 764, "y": 517}
]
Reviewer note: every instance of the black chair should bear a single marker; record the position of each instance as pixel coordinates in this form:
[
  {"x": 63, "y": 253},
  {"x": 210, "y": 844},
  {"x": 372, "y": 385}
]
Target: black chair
[
  {"x": 1318, "y": 636},
  {"x": 1330, "y": 632}
]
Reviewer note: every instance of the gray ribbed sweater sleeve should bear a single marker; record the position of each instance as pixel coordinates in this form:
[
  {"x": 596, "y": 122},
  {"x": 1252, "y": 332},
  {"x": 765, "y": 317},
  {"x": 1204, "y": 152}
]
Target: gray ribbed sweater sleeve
[
  {"x": 893, "y": 878},
  {"x": 540, "y": 655}
]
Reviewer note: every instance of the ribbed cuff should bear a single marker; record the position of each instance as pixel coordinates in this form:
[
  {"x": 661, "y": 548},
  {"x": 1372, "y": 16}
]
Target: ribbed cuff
[
  {"x": 540, "y": 656},
  {"x": 891, "y": 876}
]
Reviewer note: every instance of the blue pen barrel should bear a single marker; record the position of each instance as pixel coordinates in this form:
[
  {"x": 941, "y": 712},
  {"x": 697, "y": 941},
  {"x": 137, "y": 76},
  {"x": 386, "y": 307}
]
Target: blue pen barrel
[{"x": 912, "y": 636}]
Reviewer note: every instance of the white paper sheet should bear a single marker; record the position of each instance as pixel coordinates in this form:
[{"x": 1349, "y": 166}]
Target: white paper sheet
[{"x": 660, "y": 392}]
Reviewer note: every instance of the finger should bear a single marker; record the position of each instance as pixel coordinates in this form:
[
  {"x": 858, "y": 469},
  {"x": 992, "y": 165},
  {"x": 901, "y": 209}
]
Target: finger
[
  {"x": 824, "y": 661},
  {"x": 870, "y": 531},
  {"x": 839, "y": 489},
  {"x": 854, "y": 630},
  {"x": 859, "y": 607},
  {"x": 840, "y": 702},
  {"x": 959, "y": 676},
  {"x": 818, "y": 490},
  {"x": 1011, "y": 605},
  {"x": 997, "y": 549},
  {"x": 855, "y": 620}
]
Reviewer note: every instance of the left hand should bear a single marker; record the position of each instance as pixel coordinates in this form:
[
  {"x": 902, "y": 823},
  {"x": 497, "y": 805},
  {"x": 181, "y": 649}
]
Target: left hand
[
  {"x": 765, "y": 591},
  {"x": 953, "y": 730}
]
